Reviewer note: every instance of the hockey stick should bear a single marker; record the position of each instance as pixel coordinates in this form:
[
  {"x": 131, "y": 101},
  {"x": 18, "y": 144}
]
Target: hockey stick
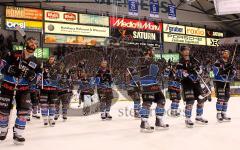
[
  {"x": 23, "y": 34},
  {"x": 234, "y": 53},
  {"x": 42, "y": 60},
  {"x": 138, "y": 86},
  {"x": 204, "y": 83}
]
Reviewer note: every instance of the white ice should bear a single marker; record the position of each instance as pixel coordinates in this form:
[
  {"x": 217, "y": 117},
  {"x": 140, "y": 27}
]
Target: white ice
[{"x": 90, "y": 133}]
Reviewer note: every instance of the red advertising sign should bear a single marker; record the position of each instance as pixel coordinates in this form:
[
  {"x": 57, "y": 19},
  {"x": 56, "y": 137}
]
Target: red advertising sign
[
  {"x": 135, "y": 24},
  {"x": 59, "y": 16}
]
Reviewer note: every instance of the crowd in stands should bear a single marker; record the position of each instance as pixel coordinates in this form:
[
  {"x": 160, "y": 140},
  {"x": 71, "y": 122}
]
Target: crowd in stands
[
  {"x": 119, "y": 57},
  {"x": 208, "y": 55},
  {"x": 6, "y": 44}
]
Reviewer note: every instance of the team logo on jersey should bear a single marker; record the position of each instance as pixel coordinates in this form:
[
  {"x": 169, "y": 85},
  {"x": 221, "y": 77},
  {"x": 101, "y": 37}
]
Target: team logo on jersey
[{"x": 32, "y": 64}]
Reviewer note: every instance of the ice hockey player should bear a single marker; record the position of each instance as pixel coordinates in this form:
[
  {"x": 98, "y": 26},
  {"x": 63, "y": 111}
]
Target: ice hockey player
[
  {"x": 151, "y": 92},
  {"x": 64, "y": 95},
  {"x": 86, "y": 88},
  {"x": 189, "y": 71},
  {"x": 104, "y": 89},
  {"x": 81, "y": 72},
  {"x": 49, "y": 91},
  {"x": 20, "y": 70},
  {"x": 174, "y": 88},
  {"x": 224, "y": 72},
  {"x": 134, "y": 89}
]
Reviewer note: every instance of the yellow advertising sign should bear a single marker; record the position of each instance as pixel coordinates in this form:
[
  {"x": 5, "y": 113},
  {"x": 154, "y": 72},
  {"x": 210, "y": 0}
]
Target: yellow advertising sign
[
  {"x": 73, "y": 29},
  {"x": 185, "y": 39},
  {"x": 33, "y": 26},
  {"x": 24, "y": 13},
  {"x": 195, "y": 31}
]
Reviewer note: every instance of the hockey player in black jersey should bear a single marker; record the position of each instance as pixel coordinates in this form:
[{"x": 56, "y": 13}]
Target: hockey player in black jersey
[
  {"x": 64, "y": 95},
  {"x": 189, "y": 71},
  {"x": 86, "y": 88},
  {"x": 174, "y": 88},
  {"x": 104, "y": 83},
  {"x": 224, "y": 72},
  {"x": 49, "y": 91},
  {"x": 20, "y": 71},
  {"x": 151, "y": 93}
]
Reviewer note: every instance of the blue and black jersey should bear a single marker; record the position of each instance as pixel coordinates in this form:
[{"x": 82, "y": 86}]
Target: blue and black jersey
[{"x": 223, "y": 71}]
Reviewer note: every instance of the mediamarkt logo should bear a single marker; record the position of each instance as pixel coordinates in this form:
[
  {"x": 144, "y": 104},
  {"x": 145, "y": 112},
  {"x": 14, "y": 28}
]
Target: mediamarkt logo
[{"x": 135, "y": 24}]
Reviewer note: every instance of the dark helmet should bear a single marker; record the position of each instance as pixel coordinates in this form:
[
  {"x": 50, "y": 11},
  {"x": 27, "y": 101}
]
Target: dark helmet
[{"x": 182, "y": 48}]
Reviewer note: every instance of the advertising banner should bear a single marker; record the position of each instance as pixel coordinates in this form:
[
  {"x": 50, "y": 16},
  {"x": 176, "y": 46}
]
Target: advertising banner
[
  {"x": 17, "y": 47},
  {"x": 214, "y": 34},
  {"x": 154, "y": 8},
  {"x": 133, "y": 7},
  {"x": 173, "y": 57},
  {"x": 135, "y": 35},
  {"x": 213, "y": 42},
  {"x": 125, "y": 23},
  {"x": 24, "y": 13},
  {"x": 59, "y": 16},
  {"x": 172, "y": 13},
  {"x": 32, "y": 26},
  {"x": 73, "y": 29},
  {"x": 195, "y": 31},
  {"x": 185, "y": 39},
  {"x": 42, "y": 53},
  {"x": 93, "y": 19},
  {"x": 39, "y": 52},
  {"x": 172, "y": 28},
  {"x": 78, "y": 40}
]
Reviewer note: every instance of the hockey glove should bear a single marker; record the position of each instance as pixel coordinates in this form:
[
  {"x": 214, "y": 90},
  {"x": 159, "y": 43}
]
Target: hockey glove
[
  {"x": 30, "y": 75},
  {"x": 14, "y": 71}
]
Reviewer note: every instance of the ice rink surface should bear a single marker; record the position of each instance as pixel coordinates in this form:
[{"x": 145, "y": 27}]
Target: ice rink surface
[{"x": 90, "y": 133}]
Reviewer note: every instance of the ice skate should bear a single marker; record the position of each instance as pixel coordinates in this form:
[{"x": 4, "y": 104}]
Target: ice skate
[
  {"x": 103, "y": 116},
  {"x": 201, "y": 120},
  {"x": 36, "y": 116},
  {"x": 18, "y": 139},
  {"x": 3, "y": 134},
  {"x": 145, "y": 127},
  {"x": 189, "y": 123},
  {"x": 56, "y": 117},
  {"x": 225, "y": 117},
  {"x": 219, "y": 117},
  {"x": 51, "y": 122},
  {"x": 108, "y": 116},
  {"x": 45, "y": 122},
  {"x": 159, "y": 124},
  {"x": 64, "y": 117},
  {"x": 28, "y": 119}
]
